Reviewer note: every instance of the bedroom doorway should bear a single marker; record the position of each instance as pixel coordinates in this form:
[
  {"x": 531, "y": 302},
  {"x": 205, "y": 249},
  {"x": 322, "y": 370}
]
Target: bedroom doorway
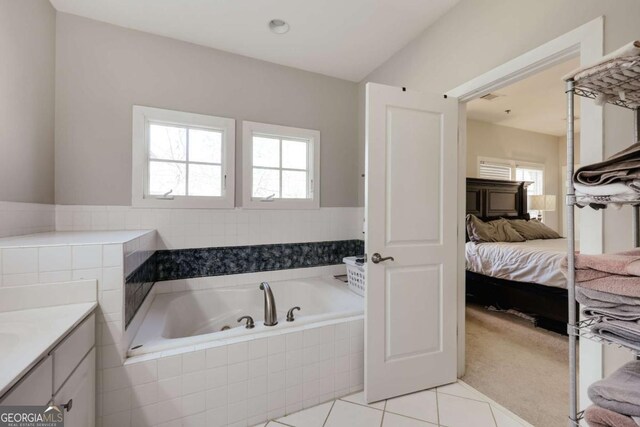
[
  {"x": 506, "y": 332},
  {"x": 516, "y": 309}
]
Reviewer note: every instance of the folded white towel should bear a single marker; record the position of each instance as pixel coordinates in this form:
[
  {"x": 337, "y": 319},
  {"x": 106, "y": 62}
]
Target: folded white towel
[{"x": 615, "y": 189}]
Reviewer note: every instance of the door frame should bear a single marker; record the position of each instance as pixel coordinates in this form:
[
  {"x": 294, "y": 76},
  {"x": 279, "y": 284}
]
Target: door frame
[{"x": 587, "y": 43}]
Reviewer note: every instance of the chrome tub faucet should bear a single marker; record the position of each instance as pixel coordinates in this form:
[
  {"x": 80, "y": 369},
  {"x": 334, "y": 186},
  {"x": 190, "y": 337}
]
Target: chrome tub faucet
[{"x": 270, "y": 313}]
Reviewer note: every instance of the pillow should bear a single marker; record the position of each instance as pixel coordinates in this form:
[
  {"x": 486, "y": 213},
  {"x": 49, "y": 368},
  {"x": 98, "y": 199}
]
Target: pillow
[
  {"x": 493, "y": 231},
  {"x": 533, "y": 229}
]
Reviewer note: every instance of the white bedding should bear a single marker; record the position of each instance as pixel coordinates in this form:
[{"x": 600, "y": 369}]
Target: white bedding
[{"x": 533, "y": 261}]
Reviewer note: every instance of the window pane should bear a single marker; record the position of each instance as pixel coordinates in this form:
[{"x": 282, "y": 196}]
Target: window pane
[
  {"x": 167, "y": 142},
  {"x": 205, "y": 180},
  {"x": 266, "y": 182},
  {"x": 164, "y": 176},
  {"x": 294, "y": 155},
  {"x": 294, "y": 185},
  {"x": 205, "y": 146},
  {"x": 266, "y": 152},
  {"x": 532, "y": 175}
]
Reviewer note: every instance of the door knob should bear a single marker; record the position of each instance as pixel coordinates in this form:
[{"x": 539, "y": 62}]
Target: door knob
[
  {"x": 376, "y": 258},
  {"x": 68, "y": 405}
]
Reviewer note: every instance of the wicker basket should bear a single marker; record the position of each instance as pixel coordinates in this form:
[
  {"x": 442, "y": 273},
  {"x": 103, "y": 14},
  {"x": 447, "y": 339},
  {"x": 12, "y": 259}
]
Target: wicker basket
[{"x": 356, "y": 274}]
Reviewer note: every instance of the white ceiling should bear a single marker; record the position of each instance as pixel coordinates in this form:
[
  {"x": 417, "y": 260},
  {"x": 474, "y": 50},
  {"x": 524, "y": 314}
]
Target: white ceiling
[
  {"x": 342, "y": 38},
  {"x": 537, "y": 103}
]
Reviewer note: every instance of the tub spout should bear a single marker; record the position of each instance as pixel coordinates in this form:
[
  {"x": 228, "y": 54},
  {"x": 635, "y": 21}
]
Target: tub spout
[{"x": 270, "y": 313}]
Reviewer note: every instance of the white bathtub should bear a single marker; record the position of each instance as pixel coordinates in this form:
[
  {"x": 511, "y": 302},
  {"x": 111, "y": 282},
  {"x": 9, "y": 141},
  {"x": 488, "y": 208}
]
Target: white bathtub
[{"x": 185, "y": 319}]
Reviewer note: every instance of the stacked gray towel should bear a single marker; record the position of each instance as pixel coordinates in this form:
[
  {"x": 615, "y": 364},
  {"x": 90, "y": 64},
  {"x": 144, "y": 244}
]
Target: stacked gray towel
[
  {"x": 618, "y": 316},
  {"x": 620, "y": 391}
]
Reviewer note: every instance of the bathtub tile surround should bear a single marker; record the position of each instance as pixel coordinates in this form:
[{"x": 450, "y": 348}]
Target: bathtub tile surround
[
  {"x": 190, "y": 263},
  {"x": 26, "y": 218},
  {"x": 183, "y": 264},
  {"x": 239, "y": 382},
  {"x": 204, "y": 228}
]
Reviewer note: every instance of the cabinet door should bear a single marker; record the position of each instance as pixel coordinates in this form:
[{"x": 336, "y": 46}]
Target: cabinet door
[
  {"x": 80, "y": 389},
  {"x": 34, "y": 388}
]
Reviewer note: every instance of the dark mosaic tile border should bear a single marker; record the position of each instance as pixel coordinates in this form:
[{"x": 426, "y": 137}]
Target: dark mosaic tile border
[
  {"x": 204, "y": 262},
  {"x": 137, "y": 286}
]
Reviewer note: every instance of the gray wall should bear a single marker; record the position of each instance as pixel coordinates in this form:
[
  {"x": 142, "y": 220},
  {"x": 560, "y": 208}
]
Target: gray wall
[
  {"x": 27, "y": 42},
  {"x": 489, "y": 140},
  {"x": 102, "y": 70}
]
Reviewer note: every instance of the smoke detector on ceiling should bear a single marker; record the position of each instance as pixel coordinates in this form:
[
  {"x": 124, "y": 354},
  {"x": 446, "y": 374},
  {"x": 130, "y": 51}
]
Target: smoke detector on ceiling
[
  {"x": 278, "y": 26},
  {"x": 490, "y": 96}
]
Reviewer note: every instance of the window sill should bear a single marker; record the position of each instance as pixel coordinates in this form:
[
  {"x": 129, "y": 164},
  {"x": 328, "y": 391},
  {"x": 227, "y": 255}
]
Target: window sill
[
  {"x": 185, "y": 203},
  {"x": 281, "y": 204}
]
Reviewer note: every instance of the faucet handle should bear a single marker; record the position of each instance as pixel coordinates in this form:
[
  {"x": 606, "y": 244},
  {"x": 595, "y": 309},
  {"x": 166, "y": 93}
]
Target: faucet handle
[
  {"x": 250, "y": 323},
  {"x": 290, "y": 314}
]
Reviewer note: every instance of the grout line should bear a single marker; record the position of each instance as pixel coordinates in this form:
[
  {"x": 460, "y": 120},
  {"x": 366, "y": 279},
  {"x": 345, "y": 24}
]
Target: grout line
[
  {"x": 364, "y": 406},
  {"x": 382, "y": 419},
  {"x": 328, "y": 413},
  {"x": 463, "y": 397},
  {"x": 437, "y": 406},
  {"x": 493, "y": 416},
  {"x": 413, "y": 418}
]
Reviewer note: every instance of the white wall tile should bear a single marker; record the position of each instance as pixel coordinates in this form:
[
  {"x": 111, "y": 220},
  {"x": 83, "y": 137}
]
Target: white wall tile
[
  {"x": 193, "y": 383},
  {"x": 237, "y": 372},
  {"x": 276, "y": 344},
  {"x": 26, "y": 218},
  {"x": 112, "y": 255},
  {"x": 186, "y": 228},
  {"x": 216, "y": 356},
  {"x": 169, "y": 388},
  {"x": 169, "y": 367},
  {"x": 54, "y": 258},
  {"x": 19, "y": 260},
  {"x": 192, "y": 362},
  {"x": 238, "y": 352},
  {"x": 54, "y": 276},
  {"x": 116, "y": 401},
  {"x": 217, "y": 377},
  {"x": 19, "y": 279},
  {"x": 87, "y": 256},
  {"x": 144, "y": 372}
]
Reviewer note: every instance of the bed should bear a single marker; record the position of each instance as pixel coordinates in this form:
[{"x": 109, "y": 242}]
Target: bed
[{"x": 522, "y": 276}]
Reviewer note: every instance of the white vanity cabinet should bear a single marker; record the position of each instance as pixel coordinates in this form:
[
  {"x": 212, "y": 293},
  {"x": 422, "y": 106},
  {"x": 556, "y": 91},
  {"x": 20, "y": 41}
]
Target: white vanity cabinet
[
  {"x": 65, "y": 376},
  {"x": 78, "y": 394},
  {"x": 34, "y": 388}
]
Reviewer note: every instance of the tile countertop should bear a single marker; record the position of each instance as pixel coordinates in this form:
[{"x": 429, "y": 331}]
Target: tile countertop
[
  {"x": 59, "y": 238},
  {"x": 27, "y": 335}
]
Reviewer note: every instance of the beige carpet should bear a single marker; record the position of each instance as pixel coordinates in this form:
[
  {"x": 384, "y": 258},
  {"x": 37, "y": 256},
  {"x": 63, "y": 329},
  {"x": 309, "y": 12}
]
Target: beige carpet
[{"x": 522, "y": 368}]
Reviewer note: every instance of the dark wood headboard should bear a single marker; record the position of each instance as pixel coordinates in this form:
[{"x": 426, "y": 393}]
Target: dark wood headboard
[{"x": 492, "y": 198}]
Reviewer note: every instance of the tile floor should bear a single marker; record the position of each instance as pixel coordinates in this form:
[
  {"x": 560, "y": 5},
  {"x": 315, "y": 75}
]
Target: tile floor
[{"x": 453, "y": 405}]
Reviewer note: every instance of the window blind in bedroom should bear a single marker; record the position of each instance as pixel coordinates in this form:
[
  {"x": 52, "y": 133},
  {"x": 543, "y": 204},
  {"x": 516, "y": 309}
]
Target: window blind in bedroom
[{"x": 490, "y": 170}]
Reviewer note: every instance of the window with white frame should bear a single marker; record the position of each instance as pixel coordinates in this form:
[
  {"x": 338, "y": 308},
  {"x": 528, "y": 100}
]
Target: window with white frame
[
  {"x": 182, "y": 159},
  {"x": 281, "y": 167},
  {"x": 505, "y": 169}
]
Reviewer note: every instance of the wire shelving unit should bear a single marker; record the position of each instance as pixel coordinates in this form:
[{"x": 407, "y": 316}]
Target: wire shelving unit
[{"x": 617, "y": 84}]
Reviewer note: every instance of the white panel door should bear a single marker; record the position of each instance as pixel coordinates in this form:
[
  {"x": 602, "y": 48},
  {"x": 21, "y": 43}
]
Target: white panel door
[{"x": 411, "y": 210}]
